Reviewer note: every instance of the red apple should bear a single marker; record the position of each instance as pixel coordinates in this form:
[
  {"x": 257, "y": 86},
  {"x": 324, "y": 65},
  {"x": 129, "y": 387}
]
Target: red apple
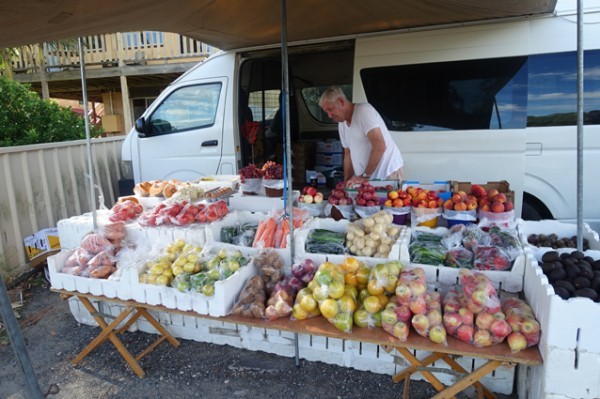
[
  {"x": 500, "y": 328},
  {"x": 312, "y": 191},
  {"x": 403, "y": 313},
  {"x": 452, "y": 321},
  {"x": 401, "y": 330},
  {"x": 465, "y": 333},
  {"x": 516, "y": 341},
  {"x": 530, "y": 326},
  {"x": 418, "y": 306},
  {"x": 482, "y": 338},
  {"x": 437, "y": 334},
  {"x": 468, "y": 317},
  {"x": 420, "y": 322},
  {"x": 484, "y": 320},
  {"x": 435, "y": 317}
]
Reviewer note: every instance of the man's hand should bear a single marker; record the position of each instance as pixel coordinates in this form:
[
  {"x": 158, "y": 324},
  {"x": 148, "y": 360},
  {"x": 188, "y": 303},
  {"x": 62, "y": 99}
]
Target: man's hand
[{"x": 355, "y": 181}]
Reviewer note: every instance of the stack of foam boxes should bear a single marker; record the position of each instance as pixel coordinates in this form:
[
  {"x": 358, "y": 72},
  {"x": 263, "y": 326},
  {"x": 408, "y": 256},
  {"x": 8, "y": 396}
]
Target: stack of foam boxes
[
  {"x": 569, "y": 343},
  {"x": 330, "y": 158}
]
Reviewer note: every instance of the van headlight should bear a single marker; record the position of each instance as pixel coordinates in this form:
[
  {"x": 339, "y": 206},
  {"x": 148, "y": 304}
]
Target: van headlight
[{"x": 126, "y": 170}]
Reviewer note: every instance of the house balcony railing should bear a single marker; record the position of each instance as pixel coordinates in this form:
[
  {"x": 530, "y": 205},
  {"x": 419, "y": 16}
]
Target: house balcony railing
[{"x": 115, "y": 49}]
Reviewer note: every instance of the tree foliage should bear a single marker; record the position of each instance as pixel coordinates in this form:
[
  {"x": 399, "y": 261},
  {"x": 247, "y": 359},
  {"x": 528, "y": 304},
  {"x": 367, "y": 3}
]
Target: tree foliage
[{"x": 25, "y": 118}]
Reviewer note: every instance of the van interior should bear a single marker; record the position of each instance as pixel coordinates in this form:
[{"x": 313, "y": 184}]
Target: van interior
[{"x": 311, "y": 69}]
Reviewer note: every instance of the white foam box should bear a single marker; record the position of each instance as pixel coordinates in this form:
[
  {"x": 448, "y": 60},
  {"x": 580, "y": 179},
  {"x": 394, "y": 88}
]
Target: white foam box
[
  {"x": 562, "y": 230},
  {"x": 569, "y": 345},
  {"x": 72, "y": 230},
  {"x": 329, "y": 146},
  {"x": 339, "y": 226},
  {"x": 220, "y": 304},
  {"x": 258, "y": 203},
  {"x": 508, "y": 280},
  {"x": 234, "y": 218}
]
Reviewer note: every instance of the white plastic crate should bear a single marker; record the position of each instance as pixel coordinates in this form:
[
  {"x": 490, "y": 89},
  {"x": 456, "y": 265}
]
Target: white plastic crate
[
  {"x": 72, "y": 230},
  {"x": 510, "y": 280},
  {"x": 569, "y": 345},
  {"x": 257, "y": 203},
  {"x": 339, "y": 226},
  {"x": 562, "y": 230}
]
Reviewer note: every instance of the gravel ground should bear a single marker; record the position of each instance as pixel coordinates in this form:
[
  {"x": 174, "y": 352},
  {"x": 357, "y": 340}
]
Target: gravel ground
[{"x": 194, "y": 370}]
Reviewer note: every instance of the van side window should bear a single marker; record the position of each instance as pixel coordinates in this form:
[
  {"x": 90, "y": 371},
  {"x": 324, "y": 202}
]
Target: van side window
[
  {"x": 552, "y": 99},
  {"x": 190, "y": 107},
  {"x": 457, "y": 95}
]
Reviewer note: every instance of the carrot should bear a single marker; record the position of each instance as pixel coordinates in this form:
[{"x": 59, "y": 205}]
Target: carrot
[
  {"x": 272, "y": 229},
  {"x": 285, "y": 230},
  {"x": 260, "y": 231}
]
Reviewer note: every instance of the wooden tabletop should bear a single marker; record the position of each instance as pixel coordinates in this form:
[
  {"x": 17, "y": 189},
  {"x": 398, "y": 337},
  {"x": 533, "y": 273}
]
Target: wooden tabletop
[{"x": 321, "y": 327}]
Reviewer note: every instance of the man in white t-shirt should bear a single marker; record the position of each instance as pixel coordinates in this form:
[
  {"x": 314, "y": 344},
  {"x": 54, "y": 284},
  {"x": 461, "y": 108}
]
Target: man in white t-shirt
[{"x": 369, "y": 150}]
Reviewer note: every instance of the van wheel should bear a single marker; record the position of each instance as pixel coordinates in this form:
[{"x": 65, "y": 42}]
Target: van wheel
[{"x": 529, "y": 212}]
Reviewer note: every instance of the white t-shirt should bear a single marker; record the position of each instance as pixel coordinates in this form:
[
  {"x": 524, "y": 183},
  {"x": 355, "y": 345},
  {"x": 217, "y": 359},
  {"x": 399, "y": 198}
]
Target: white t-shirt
[{"x": 364, "y": 119}]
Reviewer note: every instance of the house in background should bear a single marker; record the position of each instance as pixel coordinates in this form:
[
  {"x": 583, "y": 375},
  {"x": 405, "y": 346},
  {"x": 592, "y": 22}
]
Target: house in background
[{"x": 124, "y": 71}]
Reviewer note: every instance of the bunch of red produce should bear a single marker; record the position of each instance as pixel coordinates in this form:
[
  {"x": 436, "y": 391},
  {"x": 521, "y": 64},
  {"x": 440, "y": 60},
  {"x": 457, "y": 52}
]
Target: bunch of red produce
[
  {"x": 124, "y": 211},
  {"x": 183, "y": 213},
  {"x": 491, "y": 200},
  {"x": 310, "y": 195},
  {"x": 423, "y": 198},
  {"x": 339, "y": 195},
  {"x": 366, "y": 195}
]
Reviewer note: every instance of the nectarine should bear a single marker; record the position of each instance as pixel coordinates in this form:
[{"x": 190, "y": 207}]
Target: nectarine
[{"x": 497, "y": 207}]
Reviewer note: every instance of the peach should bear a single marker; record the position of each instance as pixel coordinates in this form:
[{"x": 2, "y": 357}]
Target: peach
[
  {"x": 460, "y": 206},
  {"x": 497, "y": 207},
  {"x": 485, "y": 208},
  {"x": 471, "y": 205},
  {"x": 500, "y": 197},
  {"x": 388, "y": 203},
  {"x": 508, "y": 206},
  {"x": 392, "y": 195},
  {"x": 456, "y": 198},
  {"x": 432, "y": 203},
  {"x": 491, "y": 193},
  {"x": 397, "y": 203},
  {"x": 478, "y": 191},
  {"x": 448, "y": 204}
]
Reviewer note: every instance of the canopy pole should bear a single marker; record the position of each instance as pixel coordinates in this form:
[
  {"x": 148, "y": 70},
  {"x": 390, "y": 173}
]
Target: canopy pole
[
  {"x": 580, "y": 94},
  {"x": 18, "y": 344},
  {"x": 87, "y": 132},
  {"x": 285, "y": 98}
]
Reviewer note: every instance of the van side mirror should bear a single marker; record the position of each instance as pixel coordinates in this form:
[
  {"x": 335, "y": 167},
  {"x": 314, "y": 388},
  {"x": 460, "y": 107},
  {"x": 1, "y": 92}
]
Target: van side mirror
[{"x": 141, "y": 127}]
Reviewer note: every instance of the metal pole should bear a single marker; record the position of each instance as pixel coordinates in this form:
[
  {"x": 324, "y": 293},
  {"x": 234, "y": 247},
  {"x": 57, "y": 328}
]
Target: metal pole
[
  {"x": 87, "y": 132},
  {"x": 580, "y": 93},
  {"x": 285, "y": 106},
  {"x": 18, "y": 344}
]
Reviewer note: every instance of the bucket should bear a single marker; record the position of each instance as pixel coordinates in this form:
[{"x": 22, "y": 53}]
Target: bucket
[
  {"x": 400, "y": 219},
  {"x": 273, "y": 192}
]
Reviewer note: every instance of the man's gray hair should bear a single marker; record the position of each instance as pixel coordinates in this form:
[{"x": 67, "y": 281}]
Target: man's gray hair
[{"x": 331, "y": 95}]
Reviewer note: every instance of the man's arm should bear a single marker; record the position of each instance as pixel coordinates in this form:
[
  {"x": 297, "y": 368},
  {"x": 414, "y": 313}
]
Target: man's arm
[
  {"x": 348, "y": 169},
  {"x": 377, "y": 150}
]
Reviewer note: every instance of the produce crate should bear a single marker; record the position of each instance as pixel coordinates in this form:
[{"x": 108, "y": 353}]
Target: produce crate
[
  {"x": 338, "y": 226},
  {"x": 444, "y": 276},
  {"x": 117, "y": 285},
  {"x": 442, "y": 187},
  {"x": 329, "y": 146},
  {"x": 44, "y": 240},
  {"x": 213, "y": 235},
  {"x": 569, "y": 344},
  {"x": 257, "y": 203},
  {"x": 226, "y": 291},
  {"x": 502, "y": 186},
  {"x": 562, "y": 230}
]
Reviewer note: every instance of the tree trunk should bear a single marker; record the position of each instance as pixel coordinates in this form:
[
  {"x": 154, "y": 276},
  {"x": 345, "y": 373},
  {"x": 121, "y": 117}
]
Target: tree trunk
[
  {"x": 43, "y": 77},
  {"x": 7, "y": 61}
]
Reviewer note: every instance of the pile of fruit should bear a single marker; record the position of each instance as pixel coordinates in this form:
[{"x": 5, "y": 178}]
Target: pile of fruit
[
  {"x": 125, "y": 209},
  {"x": 552, "y": 241},
  {"x": 424, "y": 198},
  {"x": 339, "y": 195},
  {"x": 398, "y": 199},
  {"x": 467, "y": 247},
  {"x": 572, "y": 274},
  {"x": 186, "y": 267},
  {"x": 366, "y": 195},
  {"x": 310, "y": 195},
  {"x": 183, "y": 213},
  {"x": 490, "y": 200}
]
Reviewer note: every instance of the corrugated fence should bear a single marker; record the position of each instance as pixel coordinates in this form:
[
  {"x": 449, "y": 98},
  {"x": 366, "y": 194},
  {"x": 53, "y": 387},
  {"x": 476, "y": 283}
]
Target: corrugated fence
[{"x": 42, "y": 184}]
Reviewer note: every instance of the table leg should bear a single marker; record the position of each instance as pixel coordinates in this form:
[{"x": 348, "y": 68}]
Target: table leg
[
  {"x": 468, "y": 380},
  {"x": 413, "y": 369},
  {"x": 158, "y": 327},
  {"x": 417, "y": 363},
  {"x": 107, "y": 332},
  {"x": 481, "y": 389}
]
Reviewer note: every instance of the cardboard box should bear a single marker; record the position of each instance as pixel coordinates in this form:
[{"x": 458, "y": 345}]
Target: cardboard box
[
  {"x": 43, "y": 241},
  {"x": 330, "y": 159},
  {"x": 502, "y": 186},
  {"x": 112, "y": 123},
  {"x": 330, "y": 146}
]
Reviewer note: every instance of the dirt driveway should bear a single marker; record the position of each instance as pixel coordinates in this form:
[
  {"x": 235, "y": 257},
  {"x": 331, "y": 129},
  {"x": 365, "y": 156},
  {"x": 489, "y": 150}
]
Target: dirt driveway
[{"x": 193, "y": 370}]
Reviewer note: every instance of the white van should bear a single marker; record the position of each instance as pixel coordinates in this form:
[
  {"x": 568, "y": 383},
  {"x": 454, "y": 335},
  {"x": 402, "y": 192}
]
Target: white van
[{"x": 482, "y": 102}]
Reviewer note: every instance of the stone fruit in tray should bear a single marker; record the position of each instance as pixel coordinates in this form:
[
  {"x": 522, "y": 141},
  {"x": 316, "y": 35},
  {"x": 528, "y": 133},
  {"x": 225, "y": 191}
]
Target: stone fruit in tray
[
  {"x": 310, "y": 195},
  {"x": 553, "y": 241},
  {"x": 339, "y": 195}
]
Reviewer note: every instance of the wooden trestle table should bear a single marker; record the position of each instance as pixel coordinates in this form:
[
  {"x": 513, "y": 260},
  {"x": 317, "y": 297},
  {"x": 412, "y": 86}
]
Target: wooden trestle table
[{"x": 494, "y": 356}]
